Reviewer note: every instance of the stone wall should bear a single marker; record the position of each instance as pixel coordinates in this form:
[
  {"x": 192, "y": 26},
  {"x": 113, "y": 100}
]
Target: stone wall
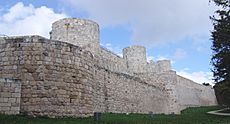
[
  {"x": 122, "y": 93},
  {"x": 111, "y": 61},
  {"x": 79, "y": 32},
  {"x": 62, "y": 78},
  {"x": 56, "y": 77},
  {"x": 163, "y": 66},
  {"x": 166, "y": 82},
  {"x": 135, "y": 56},
  {"x": 85, "y": 33},
  {"x": 191, "y": 94},
  {"x": 10, "y": 95}
]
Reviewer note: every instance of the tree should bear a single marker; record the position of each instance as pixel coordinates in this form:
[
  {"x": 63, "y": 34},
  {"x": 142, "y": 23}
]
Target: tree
[
  {"x": 206, "y": 84},
  {"x": 221, "y": 51}
]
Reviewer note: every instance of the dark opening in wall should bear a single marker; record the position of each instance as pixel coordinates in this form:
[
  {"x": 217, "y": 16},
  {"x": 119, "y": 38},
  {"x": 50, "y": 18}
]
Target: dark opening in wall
[{"x": 45, "y": 53}]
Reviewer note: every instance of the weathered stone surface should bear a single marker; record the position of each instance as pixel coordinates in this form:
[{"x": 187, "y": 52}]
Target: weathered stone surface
[
  {"x": 87, "y": 30},
  {"x": 9, "y": 103},
  {"x": 75, "y": 77}
]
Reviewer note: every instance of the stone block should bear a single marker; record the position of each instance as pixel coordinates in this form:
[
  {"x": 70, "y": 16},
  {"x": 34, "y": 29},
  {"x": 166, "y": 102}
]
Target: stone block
[
  {"x": 15, "y": 104},
  {"x": 4, "y": 58},
  {"x": 12, "y": 112},
  {"x": 15, "y": 108},
  {"x": 7, "y": 84},
  {"x": 16, "y": 95},
  {"x": 9, "y": 80},
  {"x": 61, "y": 91},
  {"x": 15, "y": 67},
  {"x": 5, "y": 99},
  {"x": 1, "y": 100},
  {"x": 2, "y": 80},
  {"x": 4, "y": 108},
  {"x": 5, "y": 104},
  {"x": 14, "y": 85},
  {"x": 5, "y": 94},
  {"x": 17, "y": 90},
  {"x": 12, "y": 100}
]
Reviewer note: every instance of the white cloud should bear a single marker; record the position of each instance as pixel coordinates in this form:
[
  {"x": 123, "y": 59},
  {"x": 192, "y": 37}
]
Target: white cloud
[
  {"x": 109, "y": 46},
  {"x": 28, "y": 20},
  {"x": 179, "y": 54},
  {"x": 152, "y": 22},
  {"x": 175, "y": 57},
  {"x": 115, "y": 49},
  {"x": 159, "y": 57},
  {"x": 149, "y": 58},
  {"x": 199, "y": 77}
]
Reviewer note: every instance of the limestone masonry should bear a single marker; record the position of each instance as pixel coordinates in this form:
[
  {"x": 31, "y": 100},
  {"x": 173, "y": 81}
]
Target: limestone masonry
[{"x": 70, "y": 75}]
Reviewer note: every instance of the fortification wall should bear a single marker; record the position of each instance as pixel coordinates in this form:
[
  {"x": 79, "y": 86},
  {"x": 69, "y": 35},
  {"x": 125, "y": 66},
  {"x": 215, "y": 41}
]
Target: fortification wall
[
  {"x": 151, "y": 67},
  {"x": 122, "y": 93},
  {"x": 10, "y": 93},
  {"x": 62, "y": 78},
  {"x": 191, "y": 94},
  {"x": 182, "y": 92},
  {"x": 111, "y": 61},
  {"x": 135, "y": 56},
  {"x": 166, "y": 82},
  {"x": 85, "y": 33},
  {"x": 163, "y": 66},
  {"x": 56, "y": 77},
  {"x": 80, "y": 32}
]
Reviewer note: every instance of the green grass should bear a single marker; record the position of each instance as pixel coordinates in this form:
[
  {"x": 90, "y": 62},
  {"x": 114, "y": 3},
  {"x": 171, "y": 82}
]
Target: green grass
[{"x": 188, "y": 116}]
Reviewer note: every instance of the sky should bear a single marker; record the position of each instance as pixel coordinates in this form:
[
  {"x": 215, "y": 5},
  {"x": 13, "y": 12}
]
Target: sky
[{"x": 177, "y": 30}]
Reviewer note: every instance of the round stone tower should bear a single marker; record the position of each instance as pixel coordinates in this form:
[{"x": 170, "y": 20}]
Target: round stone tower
[
  {"x": 136, "y": 58},
  {"x": 163, "y": 65},
  {"x": 80, "y": 32}
]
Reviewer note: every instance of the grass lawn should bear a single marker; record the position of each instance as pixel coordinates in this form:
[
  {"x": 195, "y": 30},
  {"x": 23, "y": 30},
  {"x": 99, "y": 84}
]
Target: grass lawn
[{"x": 188, "y": 116}]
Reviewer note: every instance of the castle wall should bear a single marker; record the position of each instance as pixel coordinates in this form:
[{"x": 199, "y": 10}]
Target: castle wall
[
  {"x": 56, "y": 77},
  {"x": 151, "y": 67},
  {"x": 111, "y": 61},
  {"x": 80, "y": 32},
  {"x": 100, "y": 89},
  {"x": 122, "y": 93},
  {"x": 163, "y": 66},
  {"x": 166, "y": 82},
  {"x": 60, "y": 79},
  {"x": 10, "y": 93},
  {"x": 70, "y": 75},
  {"x": 191, "y": 94},
  {"x": 136, "y": 59}
]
